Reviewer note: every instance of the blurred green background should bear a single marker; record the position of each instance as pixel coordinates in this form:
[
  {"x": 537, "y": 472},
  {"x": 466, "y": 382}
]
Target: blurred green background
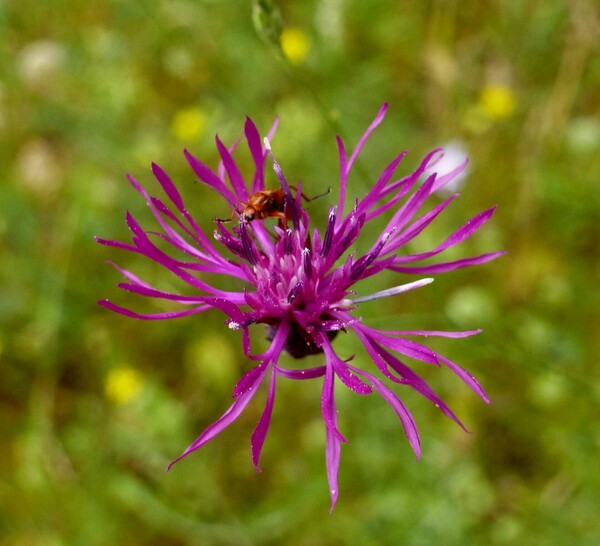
[{"x": 94, "y": 405}]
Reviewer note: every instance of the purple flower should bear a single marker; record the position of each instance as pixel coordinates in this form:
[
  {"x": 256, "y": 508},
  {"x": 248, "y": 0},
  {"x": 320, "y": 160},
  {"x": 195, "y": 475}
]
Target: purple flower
[{"x": 298, "y": 280}]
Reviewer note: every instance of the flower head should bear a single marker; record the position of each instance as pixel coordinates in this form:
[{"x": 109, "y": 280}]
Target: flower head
[{"x": 298, "y": 280}]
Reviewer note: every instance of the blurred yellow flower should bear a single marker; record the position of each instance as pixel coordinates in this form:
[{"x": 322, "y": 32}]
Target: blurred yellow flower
[
  {"x": 497, "y": 101},
  {"x": 188, "y": 124},
  {"x": 295, "y": 44},
  {"x": 123, "y": 385}
]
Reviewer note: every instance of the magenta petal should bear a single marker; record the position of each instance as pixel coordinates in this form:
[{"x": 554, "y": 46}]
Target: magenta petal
[
  {"x": 153, "y": 293},
  {"x": 129, "y": 275},
  {"x": 381, "y": 357},
  {"x": 375, "y": 193},
  {"x": 250, "y": 378},
  {"x": 378, "y": 119},
  {"x": 332, "y": 461},
  {"x": 273, "y": 129},
  {"x": 343, "y": 175},
  {"x": 406, "y": 347},
  {"x": 441, "y": 181},
  {"x": 417, "y": 383},
  {"x": 467, "y": 378},
  {"x": 260, "y": 432},
  {"x": 469, "y": 228},
  {"x": 328, "y": 405},
  {"x": 418, "y": 226},
  {"x": 428, "y": 333},
  {"x": 210, "y": 178},
  {"x": 152, "y": 316},
  {"x": 256, "y": 150},
  {"x": 342, "y": 370},
  {"x": 409, "y": 209},
  {"x": 227, "y": 306},
  {"x": 448, "y": 266},
  {"x": 306, "y": 373},
  {"x": 408, "y": 422},
  {"x": 351, "y": 381},
  {"x": 235, "y": 176},
  {"x": 168, "y": 186},
  {"x": 219, "y": 425},
  {"x": 458, "y": 236},
  {"x": 117, "y": 244}
]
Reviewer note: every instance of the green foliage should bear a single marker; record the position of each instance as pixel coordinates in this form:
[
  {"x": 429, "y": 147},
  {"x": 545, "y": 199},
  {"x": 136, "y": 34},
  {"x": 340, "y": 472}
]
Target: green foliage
[
  {"x": 267, "y": 21},
  {"x": 93, "y": 405}
]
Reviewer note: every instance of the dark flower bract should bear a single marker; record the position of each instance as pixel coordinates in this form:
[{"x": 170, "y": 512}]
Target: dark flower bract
[{"x": 298, "y": 280}]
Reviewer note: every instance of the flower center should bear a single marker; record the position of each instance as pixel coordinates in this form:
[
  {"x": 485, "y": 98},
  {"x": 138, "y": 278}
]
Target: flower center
[{"x": 280, "y": 282}]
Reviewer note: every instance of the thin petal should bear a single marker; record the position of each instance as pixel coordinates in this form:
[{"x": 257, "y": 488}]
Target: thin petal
[
  {"x": 290, "y": 203},
  {"x": 418, "y": 383},
  {"x": 153, "y": 293},
  {"x": 409, "y": 209},
  {"x": 167, "y": 186},
  {"x": 346, "y": 164},
  {"x": 210, "y": 178},
  {"x": 306, "y": 373},
  {"x": 403, "y": 346},
  {"x": 249, "y": 379},
  {"x": 393, "y": 291},
  {"x": 458, "y": 236},
  {"x": 381, "y": 357},
  {"x": 117, "y": 244},
  {"x": 448, "y": 266},
  {"x": 219, "y": 425},
  {"x": 260, "y": 432},
  {"x": 343, "y": 371},
  {"x": 256, "y": 150},
  {"x": 378, "y": 119},
  {"x": 343, "y": 174},
  {"x": 152, "y": 316},
  {"x": 328, "y": 405},
  {"x": 418, "y": 226},
  {"x": 430, "y": 333},
  {"x": 467, "y": 378},
  {"x": 375, "y": 192},
  {"x": 129, "y": 275},
  {"x": 271, "y": 355},
  {"x": 469, "y": 228},
  {"x": 441, "y": 181},
  {"x": 332, "y": 461},
  {"x": 233, "y": 172},
  {"x": 408, "y": 422}
]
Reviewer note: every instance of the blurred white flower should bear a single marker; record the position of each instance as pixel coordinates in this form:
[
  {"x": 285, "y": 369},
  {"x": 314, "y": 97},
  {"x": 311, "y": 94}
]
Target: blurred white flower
[
  {"x": 329, "y": 22},
  {"x": 38, "y": 62},
  {"x": 39, "y": 168},
  {"x": 583, "y": 134},
  {"x": 454, "y": 155}
]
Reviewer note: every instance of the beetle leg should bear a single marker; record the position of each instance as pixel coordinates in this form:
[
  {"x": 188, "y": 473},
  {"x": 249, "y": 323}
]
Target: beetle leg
[{"x": 244, "y": 205}]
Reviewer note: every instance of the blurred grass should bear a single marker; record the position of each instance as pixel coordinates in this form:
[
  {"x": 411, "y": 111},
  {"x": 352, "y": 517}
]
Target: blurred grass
[{"x": 90, "y": 92}]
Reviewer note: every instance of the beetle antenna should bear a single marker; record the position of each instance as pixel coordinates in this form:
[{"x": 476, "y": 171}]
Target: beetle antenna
[{"x": 320, "y": 195}]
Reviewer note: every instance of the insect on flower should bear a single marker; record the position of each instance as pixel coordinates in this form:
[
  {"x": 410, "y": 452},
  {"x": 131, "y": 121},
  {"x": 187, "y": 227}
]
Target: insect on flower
[
  {"x": 298, "y": 281},
  {"x": 267, "y": 204}
]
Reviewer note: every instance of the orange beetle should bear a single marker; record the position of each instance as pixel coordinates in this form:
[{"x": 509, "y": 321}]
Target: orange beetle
[
  {"x": 264, "y": 204},
  {"x": 267, "y": 204}
]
